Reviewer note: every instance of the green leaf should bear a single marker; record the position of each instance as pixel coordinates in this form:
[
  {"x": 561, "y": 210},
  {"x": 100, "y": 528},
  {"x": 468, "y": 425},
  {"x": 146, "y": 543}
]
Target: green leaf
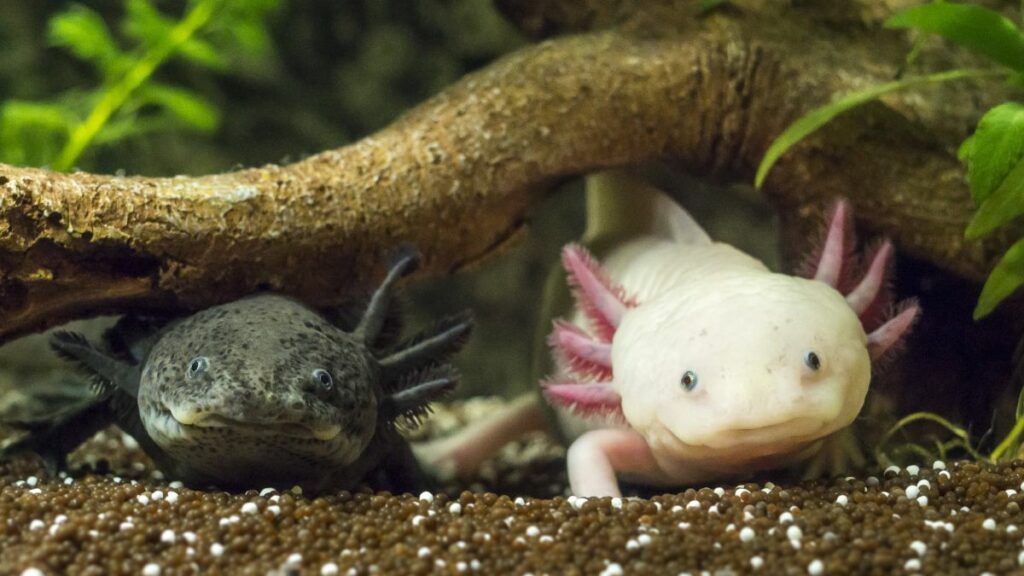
[
  {"x": 815, "y": 119},
  {"x": 1005, "y": 279},
  {"x": 706, "y": 6},
  {"x": 978, "y": 29},
  {"x": 1002, "y": 206},
  {"x": 996, "y": 147},
  {"x": 84, "y": 32},
  {"x": 187, "y": 106},
  {"x": 145, "y": 23},
  {"x": 203, "y": 53},
  {"x": 31, "y": 133}
]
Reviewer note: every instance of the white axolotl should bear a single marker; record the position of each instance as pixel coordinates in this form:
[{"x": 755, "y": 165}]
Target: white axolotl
[{"x": 687, "y": 361}]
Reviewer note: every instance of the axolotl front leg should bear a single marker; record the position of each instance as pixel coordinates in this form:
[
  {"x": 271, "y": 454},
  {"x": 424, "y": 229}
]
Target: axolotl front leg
[{"x": 594, "y": 387}]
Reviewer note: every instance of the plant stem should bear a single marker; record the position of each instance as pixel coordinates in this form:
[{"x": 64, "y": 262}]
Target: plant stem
[
  {"x": 115, "y": 96},
  {"x": 1010, "y": 441}
]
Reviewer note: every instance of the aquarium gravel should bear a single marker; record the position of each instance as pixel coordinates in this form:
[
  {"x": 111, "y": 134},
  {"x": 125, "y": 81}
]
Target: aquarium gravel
[{"x": 121, "y": 516}]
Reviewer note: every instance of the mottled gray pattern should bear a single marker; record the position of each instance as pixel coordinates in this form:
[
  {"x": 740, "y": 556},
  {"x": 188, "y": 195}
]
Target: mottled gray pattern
[
  {"x": 261, "y": 356},
  {"x": 262, "y": 391}
]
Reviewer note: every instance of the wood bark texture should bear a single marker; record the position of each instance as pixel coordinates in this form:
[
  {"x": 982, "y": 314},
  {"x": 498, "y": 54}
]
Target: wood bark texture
[{"x": 629, "y": 82}]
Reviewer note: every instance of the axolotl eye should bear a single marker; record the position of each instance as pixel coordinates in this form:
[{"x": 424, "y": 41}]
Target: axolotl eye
[
  {"x": 689, "y": 380},
  {"x": 323, "y": 377},
  {"x": 197, "y": 366},
  {"x": 812, "y": 361}
]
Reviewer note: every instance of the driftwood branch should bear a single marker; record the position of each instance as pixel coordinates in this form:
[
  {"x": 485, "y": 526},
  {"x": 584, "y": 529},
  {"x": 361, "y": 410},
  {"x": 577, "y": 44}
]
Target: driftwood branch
[{"x": 456, "y": 175}]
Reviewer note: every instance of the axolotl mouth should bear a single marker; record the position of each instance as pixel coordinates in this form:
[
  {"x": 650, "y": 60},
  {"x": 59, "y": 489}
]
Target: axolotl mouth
[{"x": 190, "y": 420}]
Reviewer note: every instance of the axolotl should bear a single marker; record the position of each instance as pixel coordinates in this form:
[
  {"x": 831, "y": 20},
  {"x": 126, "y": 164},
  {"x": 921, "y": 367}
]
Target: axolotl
[
  {"x": 264, "y": 391},
  {"x": 686, "y": 360}
]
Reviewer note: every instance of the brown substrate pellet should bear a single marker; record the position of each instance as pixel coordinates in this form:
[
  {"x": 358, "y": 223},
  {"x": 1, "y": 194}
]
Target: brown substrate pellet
[{"x": 944, "y": 518}]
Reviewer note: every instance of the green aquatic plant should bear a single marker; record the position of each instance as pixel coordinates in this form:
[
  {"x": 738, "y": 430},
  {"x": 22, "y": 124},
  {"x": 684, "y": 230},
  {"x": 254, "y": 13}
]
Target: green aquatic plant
[
  {"x": 994, "y": 154},
  {"x": 129, "y": 101}
]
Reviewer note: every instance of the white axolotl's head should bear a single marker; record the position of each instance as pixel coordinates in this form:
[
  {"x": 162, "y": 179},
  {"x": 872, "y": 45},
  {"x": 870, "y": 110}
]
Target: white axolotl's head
[
  {"x": 753, "y": 369},
  {"x": 740, "y": 368}
]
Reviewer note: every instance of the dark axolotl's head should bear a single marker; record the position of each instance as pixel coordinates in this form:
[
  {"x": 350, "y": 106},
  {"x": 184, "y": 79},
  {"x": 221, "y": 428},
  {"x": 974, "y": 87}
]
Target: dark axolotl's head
[
  {"x": 267, "y": 391},
  {"x": 262, "y": 386}
]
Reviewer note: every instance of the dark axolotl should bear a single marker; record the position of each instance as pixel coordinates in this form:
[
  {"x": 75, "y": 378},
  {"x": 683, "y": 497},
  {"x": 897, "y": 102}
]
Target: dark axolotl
[{"x": 263, "y": 391}]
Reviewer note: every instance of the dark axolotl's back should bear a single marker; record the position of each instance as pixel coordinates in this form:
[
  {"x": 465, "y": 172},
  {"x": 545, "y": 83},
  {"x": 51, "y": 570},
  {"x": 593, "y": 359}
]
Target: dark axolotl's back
[{"x": 264, "y": 391}]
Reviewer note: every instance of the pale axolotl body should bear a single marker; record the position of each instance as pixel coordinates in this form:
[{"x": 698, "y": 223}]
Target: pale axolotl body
[
  {"x": 264, "y": 391},
  {"x": 686, "y": 360}
]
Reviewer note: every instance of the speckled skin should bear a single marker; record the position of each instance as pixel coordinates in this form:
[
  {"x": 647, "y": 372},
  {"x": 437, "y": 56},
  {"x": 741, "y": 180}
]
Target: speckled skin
[
  {"x": 262, "y": 352},
  {"x": 236, "y": 396}
]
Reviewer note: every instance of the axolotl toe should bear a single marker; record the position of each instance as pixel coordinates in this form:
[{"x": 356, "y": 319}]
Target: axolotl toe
[{"x": 265, "y": 391}]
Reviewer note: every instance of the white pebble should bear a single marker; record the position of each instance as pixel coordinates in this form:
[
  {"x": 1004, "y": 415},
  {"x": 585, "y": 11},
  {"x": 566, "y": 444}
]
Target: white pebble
[
  {"x": 143, "y": 499},
  {"x": 684, "y": 525},
  {"x": 172, "y": 497},
  {"x": 989, "y": 524},
  {"x": 922, "y": 500},
  {"x": 216, "y": 549},
  {"x": 426, "y": 496},
  {"x": 578, "y": 502},
  {"x": 532, "y": 531},
  {"x": 1010, "y": 493},
  {"x": 519, "y": 501},
  {"x": 329, "y": 569},
  {"x": 151, "y": 570},
  {"x": 190, "y": 537},
  {"x": 418, "y": 519},
  {"x": 938, "y": 465},
  {"x": 632, "y": 544},
  {"x": 126, "y": 526},
  {"x": 913, "y": 469},
  {"x": 423, "y": 552},
  {"x": 545, "y": 539},
  {"x": 31, "y": 480},
  {"x": 455, "y": 508},
  {"x": 945, "y": 474},
  {"x": 266, "y": 491},
  {"x": 842, "y": 500},
  {"x": 741, "y": 492},
  {"x": 816, "y": 567},
  {"x": 157, "y": 495},
  {"x": 785, "y": 517},
  {"x": 794, "y": 532},
  {"x": 924, "y": 484},
  {"x": 912, "y": 565},
  {"x": 69, "y": 481},
  {"x": 36, "y": 524},
  {"x": 919, "y": 547},
  {"x": 713, "y": 509},
  {"x": 617, "y": 504},
  {"x": 756, "y": 562},
  {"x": 461, "y": 566},
  {"x": 893, "y": 469},
  {"x": 693, "y": 505},
  {"x": 274, "y": 509},
  {"x": 36, "y": 491},
  {"x": 872, "y": 481},
  {"x": 747, "y": 534},
  {"x": 1011, "y": 529},
  {"x": 38, "y": 572},
  {"x": 612, "y": 569},
  {"x": 719, "y": 491},
  {"x": 644, "y": 539},
  {"x": 167, "y": 536},
  {"x": 1020, "y": 558},
  {"x": 249, "y": 508},
  {"x": 294, "y": 559},
  {"x": 912, "y": 492}
]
